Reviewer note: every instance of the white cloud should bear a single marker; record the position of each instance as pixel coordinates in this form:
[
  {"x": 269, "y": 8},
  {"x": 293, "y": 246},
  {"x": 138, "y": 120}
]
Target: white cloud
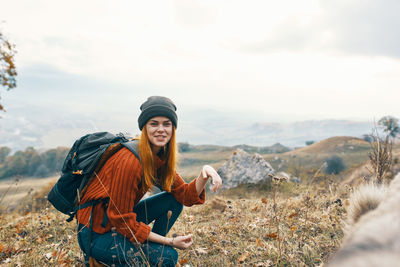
[{"x": 354, "y": 27}]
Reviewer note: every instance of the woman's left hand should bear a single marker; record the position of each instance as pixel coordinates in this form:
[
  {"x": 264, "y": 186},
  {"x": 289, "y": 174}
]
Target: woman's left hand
[
  {"x": 182, "y": 242},
  {"x": 209, "y": 172}
]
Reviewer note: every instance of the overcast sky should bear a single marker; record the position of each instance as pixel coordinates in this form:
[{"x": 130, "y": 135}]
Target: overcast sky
[{"x": 310, "y": 59}]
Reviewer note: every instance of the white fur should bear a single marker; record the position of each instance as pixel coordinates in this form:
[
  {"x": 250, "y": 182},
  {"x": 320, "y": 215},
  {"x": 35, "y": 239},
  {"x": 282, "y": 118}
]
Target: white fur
[
  {"x": 373, "y": 234},
  {"x": 365, "y": 199}
]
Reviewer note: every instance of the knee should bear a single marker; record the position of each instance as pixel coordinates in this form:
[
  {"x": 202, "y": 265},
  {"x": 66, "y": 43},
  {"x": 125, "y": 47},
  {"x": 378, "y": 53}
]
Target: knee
[{"x": 177, "y": 206}]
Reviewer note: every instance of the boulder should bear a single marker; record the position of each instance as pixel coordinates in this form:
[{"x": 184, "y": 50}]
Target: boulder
[{"x": 243, "y": 167}]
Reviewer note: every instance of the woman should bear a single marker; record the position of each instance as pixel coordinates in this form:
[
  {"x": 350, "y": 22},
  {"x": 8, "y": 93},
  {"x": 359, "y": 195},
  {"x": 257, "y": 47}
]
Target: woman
[{"x": 123, "y": 237}]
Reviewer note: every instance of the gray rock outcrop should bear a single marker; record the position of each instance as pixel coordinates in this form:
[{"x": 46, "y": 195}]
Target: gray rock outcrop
[{"x": 242, "y": 167}]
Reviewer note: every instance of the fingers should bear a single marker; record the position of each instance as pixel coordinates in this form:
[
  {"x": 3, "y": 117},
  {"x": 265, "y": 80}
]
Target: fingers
[
  {"x": 216, "y": 182},
  {"x": 183, "y": 242},
  {"x": 188, "y": 238},
  {"x": 216, "y": 186},
  {"x": 188, "y": 241},
  {"x": 185, "y": 238},
  {"x": 209, "y": 172}
]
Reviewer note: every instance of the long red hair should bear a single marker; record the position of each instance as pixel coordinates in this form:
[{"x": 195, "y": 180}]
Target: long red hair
[{"x": 167, "y": 172}]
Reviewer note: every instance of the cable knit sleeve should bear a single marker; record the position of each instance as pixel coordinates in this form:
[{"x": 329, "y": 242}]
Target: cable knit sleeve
[
  {"x": 186, "y": 193},
  {"x": 124, "y": 187}
]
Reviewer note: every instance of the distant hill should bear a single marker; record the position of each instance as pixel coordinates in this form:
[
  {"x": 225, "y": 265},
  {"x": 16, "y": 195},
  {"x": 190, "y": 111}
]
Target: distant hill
[
  {"x": 352, "y": 150},
  {"x": 337, "y": 144},
  {"x": 276, "y": 148}
]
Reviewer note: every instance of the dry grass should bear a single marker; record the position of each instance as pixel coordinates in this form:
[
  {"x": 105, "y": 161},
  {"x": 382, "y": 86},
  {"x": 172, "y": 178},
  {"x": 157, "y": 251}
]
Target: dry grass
[
  {"x": 38, "y": 239},
  {"x": 381, "y": 156},
  {"x": 12, "y": 191},
  {"x": 297, "y": 228},
  {"x": 269, "y": 231},
  {"x": 282, "y": 224}
]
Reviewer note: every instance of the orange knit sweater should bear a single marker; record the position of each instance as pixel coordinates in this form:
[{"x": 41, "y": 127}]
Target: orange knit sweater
[{"x": 119, "y": 179}]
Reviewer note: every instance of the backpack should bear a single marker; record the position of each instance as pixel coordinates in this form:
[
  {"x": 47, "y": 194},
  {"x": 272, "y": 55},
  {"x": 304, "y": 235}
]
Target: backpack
[{"x": 83, "y": 162}]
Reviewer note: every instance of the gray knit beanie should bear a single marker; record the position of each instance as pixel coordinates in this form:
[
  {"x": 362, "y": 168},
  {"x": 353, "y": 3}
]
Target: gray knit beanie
[{"x": 157, "y": 106}]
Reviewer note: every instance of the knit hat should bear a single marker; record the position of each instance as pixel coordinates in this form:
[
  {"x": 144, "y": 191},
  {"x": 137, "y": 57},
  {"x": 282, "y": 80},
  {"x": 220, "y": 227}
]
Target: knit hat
[{"x": 157, "y": 106}]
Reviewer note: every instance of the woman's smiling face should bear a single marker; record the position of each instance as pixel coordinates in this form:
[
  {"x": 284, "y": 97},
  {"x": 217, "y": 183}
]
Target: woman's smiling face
[{"x": 159, "y": 132}]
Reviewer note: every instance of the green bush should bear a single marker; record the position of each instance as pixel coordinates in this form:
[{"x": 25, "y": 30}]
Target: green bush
[
  {"x": 308, "y": 143},
  {"x": 334, "y": 165}
]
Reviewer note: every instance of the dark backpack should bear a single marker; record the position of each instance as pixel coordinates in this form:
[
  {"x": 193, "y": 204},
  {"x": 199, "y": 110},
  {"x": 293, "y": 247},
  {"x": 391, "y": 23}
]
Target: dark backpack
[{"x": 83, "y": 162}]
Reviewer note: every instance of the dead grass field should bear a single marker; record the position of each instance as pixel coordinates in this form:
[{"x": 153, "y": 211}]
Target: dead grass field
[
  {"x": 13, "y": 191},
  {"x": 282, "y": 224},
  {"x": 299, "y": 228}
]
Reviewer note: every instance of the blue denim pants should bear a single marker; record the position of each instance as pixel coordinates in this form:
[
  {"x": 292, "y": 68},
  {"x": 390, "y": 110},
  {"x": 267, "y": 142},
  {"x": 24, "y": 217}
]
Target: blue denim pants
[{"x": 112, "y": 248}]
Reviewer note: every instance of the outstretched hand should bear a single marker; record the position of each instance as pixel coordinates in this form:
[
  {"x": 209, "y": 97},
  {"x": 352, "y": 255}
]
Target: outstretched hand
[
  {"x": 209, "y": 172},
  {"x": 182, "y": 242}
]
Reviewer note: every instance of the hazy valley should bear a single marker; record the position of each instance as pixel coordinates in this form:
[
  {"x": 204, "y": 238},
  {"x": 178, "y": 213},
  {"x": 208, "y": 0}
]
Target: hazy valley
[{"x": 38, "y": 127}]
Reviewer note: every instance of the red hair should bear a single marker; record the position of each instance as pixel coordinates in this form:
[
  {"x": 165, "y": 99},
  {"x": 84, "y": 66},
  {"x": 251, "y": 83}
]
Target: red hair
[{"x": 168, "y": 171}]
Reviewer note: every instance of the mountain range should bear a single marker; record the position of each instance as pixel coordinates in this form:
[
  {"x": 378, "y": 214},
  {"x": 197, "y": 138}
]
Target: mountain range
[{"x": 39, "y": 127}]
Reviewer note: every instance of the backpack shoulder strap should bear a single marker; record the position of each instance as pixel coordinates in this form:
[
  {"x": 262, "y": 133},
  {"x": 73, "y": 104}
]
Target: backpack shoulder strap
[{"x": 133, "y": 146}]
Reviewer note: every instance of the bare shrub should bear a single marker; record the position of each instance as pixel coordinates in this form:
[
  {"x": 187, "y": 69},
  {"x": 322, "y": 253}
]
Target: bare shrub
[{"x": 381, "y": 156}]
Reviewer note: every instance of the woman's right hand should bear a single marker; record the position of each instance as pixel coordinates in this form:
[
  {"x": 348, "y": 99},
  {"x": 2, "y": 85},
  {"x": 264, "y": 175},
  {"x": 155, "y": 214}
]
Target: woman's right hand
[{"x": 182, "y": 242}]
